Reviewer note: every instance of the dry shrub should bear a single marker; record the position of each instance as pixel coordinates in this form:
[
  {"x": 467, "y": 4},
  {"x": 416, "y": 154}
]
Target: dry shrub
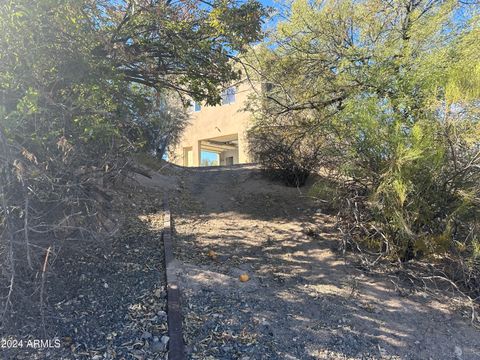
[{"x": 284, "y": 153}]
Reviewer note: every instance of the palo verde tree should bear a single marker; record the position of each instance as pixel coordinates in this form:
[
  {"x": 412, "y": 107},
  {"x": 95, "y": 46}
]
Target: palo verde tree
[
  {"x": 390, "y": 91},
  {"x": 82, "y": 84}
]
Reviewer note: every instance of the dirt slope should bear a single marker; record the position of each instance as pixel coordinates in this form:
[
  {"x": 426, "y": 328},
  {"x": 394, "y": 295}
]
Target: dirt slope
[{"x": 302, "y": 300}]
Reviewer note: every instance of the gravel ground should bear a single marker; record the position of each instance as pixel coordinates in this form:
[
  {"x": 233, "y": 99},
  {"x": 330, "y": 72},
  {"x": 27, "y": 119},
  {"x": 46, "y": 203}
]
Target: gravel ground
[
  {"x": 301, "y": 301},
  {"x": 106, "y": 298}
]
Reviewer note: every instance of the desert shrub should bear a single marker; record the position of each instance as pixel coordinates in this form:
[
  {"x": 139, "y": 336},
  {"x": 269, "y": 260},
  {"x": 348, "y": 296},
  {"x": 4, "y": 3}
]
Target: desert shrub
[
  {"x": 420, "y": 185},
  {"x": 284, "y": 155},
  {"x": 329, "y": 192}
]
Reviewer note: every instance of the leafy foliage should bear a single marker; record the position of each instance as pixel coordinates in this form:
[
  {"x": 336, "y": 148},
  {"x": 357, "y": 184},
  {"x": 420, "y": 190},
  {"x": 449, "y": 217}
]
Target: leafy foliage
[
  {"x": 391, "y": 91},
  {"x": 285, "y": 149},
  {"x": 83, "y": 84}
]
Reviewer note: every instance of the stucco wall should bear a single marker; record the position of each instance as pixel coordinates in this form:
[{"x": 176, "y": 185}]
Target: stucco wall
[
  {"x": 216, "y": 121},
  {"x": 229, "y": 153}
]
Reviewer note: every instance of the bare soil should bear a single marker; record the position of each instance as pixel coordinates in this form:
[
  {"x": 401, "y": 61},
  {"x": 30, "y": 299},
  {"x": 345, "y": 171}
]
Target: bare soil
[{"x": 302, "y": 300}]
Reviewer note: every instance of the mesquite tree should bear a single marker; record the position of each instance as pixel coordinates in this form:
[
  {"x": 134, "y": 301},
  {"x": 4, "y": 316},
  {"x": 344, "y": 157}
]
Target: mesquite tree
[{"x": 391, "y": 91}]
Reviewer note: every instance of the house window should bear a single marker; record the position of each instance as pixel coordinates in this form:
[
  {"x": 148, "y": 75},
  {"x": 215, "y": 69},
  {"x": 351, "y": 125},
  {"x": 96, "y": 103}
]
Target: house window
[
  {"x": 228, "y": 95},
  {"x": 196, "y": 106}
]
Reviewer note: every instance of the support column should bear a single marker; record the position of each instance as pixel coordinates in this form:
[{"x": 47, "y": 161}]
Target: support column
[
  {"x": 196, "y": 153},
  {"x": 243, "y": 156}
]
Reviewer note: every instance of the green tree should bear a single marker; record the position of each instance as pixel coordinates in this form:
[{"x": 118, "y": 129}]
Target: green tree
[
  {"x": 390, "y": 90},
  {"x": 83, "y": 83}
]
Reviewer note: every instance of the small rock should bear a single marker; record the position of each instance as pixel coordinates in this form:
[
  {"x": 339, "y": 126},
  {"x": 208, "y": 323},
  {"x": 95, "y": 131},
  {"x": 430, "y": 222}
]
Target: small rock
[
  {"x": 165, "y": 339},
  {"x": 162, "y": 314},
  {"x": 146, "y": 335},
  {"x": 158, "y": 347},
  {"x": 158, "y": 293},
  {"x": 458, "y": 352},
  {"x": 223, "y": 258},
  {"x": 105, "y": 285}
]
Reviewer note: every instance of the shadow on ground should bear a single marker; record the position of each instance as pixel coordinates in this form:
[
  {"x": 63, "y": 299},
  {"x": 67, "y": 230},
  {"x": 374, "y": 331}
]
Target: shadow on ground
[
  {"x": 104, "y": 298},
  {"x": 302, "y": 301}
]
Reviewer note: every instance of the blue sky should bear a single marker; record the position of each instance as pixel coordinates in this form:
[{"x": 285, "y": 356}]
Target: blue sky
[
  {"x": 208, "y": 155},
  {"x": 268, "y": 3}
]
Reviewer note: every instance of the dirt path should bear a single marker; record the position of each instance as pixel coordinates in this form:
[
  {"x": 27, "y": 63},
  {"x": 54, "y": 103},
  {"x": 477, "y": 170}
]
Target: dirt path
[{"x": 302, "y": 301}]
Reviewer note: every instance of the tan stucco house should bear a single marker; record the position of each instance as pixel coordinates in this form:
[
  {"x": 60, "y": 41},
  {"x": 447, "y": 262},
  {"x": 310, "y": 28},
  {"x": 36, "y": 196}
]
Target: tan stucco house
[{"x": 217, "y": 129}]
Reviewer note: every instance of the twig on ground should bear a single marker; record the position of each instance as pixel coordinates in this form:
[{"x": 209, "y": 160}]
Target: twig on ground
[{"x": 42, "y": 287}]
